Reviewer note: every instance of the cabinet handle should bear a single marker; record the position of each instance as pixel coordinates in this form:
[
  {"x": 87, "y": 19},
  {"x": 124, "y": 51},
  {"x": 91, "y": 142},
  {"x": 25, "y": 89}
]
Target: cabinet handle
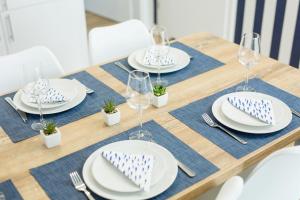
[{"x": 9, "y": 29}]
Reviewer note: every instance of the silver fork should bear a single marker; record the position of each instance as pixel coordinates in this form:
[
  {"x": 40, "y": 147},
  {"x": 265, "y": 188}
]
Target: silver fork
[
  {"x": 79, "y": 184},
  {"x": 211, "y": 123}
]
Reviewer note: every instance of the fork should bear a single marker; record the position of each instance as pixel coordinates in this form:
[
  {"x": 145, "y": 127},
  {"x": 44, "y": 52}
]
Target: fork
[
  {"x": 79, "y": 184},
  {"x": 119, "y": 64},
  {"x": 87, "y": 89},
  {"x": 212, "y": 123}
]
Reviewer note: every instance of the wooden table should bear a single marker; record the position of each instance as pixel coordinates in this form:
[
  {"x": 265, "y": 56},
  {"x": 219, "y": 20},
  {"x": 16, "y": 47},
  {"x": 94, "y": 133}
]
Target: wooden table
[{"x": 16, "y": 159}]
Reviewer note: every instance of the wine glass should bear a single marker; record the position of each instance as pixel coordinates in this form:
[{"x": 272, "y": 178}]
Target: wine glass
[
  {"x": 34, "y": 87},
  {"x": 139, "y": 94},
  {"x": 248, "y": 56},
  {"x": 160, "y": 48}
]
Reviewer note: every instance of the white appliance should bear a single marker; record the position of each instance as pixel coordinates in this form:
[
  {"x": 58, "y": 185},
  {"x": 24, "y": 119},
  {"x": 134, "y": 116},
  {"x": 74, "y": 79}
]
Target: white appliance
[{"x": 59, "y": 25}]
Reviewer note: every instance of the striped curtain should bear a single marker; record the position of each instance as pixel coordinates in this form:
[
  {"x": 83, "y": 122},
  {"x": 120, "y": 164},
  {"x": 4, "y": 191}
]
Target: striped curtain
[{"x": 278, "y": 23}]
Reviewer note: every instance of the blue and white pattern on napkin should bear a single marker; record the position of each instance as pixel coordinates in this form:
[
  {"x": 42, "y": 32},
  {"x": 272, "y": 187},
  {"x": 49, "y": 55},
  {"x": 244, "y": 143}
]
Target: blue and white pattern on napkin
[
  {"x": 152, "y": 58},
  {"x": 260, "y": 109},
  {"x": 52, "y": 95},
  {"x": 137, "y": 167}
]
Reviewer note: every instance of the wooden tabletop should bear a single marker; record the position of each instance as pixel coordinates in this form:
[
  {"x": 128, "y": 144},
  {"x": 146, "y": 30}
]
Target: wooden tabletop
[{"x": 17, "y": 158}]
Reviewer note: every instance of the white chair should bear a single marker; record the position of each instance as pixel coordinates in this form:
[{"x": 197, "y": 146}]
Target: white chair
[
  {"x": 275, "y": 178},
  {"x": 11, "y": 67},
  {"x": 112, "y": 42}
]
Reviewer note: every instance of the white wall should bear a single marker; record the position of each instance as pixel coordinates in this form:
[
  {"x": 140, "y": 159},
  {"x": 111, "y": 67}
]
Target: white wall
[
  {"x": 121, "y": 10},
  {"x": 190, "y": 16}
]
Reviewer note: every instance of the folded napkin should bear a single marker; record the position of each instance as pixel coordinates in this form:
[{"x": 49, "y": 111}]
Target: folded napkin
[
  {"x": 152, "y": 58},
  {"x": 137, "y": 167},
  {"x": 51, "y": 95},
  {"x": 260, "y": 109}
]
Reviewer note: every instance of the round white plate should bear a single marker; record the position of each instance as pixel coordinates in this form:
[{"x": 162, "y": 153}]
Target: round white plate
[
  {"x": 182, "y": 60},
  {"x": 111, "y": 178},
  {"x": 239, "y": 116},
  {"x": 81, "y": 94},
  {"x": 282, "y": 113},
  {"x": 67, "y": 88},
  {"x": 175, "y": 53},
  {"x": 164, "y": 183}
]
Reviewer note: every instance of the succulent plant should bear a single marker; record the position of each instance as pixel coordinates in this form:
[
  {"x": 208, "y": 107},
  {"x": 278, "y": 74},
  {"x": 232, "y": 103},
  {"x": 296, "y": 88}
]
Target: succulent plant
[
  {"x": 109, "y": 106},
  {"x": 159, "y": 90},
  {"x": 49, "y": 128}
]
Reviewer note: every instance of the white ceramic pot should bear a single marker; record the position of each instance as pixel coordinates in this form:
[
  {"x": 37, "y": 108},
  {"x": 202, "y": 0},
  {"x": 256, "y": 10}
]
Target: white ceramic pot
[
  {"x": 112, "y": 119},
  {"x": 159, "y": 101},
  {"x": 53, "y": 139}
]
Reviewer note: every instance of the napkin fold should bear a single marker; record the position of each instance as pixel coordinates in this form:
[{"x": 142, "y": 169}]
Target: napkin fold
[
  {"x": 51, "y": 95},
  {"x": 260, "y": 109},
  {"x": 137, "y": 167},
  {"x": 152, "y": 58}
]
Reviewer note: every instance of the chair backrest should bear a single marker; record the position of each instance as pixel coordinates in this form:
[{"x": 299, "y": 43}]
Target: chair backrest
[
  {"x": 117, "y": 41},
  {"x": 11, "y": 67},
  {"x": 276, "y": 177},
  {"x": 278, "y": 22}
]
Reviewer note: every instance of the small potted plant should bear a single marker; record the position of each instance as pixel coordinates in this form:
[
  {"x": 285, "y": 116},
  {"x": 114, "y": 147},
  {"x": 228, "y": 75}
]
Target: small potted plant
[
  {"x": 112, "y": 115},
  {"x": 51, "y": 135},
  {"x": 160, "y": 95}
]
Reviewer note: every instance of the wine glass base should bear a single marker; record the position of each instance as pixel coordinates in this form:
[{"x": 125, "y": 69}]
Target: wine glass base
[
  {"x": 244, "y": 88},
  {"x": 141, "y": 135},
  {"x": 160, "y": 81},
  {"x": 37, "y": 126}
]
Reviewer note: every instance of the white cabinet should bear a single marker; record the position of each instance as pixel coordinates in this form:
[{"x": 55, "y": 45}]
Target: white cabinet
[{"x": 57, "y": 24}]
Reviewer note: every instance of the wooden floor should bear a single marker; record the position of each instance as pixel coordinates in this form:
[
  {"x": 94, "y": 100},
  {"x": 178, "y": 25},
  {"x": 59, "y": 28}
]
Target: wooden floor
[{"x": 93, "y": 21}]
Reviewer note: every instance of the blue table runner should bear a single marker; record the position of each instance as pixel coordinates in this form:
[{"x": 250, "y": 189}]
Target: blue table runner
[
  {"x": 9, "y": 190},
  {"x": 190, "y": 115},
  {"x": 54, "y": 176},
  {"x": 199, "y": 64},
  {"x": 18, "y": 131}
]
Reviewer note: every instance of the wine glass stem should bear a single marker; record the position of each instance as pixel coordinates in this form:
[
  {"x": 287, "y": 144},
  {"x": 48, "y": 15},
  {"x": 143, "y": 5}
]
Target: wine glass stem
[
  {"x": 40, "y": 109},
  {"x": 141, "y": 117},
  {"x": 247, "y": 76}
]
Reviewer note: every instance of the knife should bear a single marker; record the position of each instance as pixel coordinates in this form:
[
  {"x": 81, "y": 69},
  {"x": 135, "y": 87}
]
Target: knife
[{"x": 21, "y": 113}]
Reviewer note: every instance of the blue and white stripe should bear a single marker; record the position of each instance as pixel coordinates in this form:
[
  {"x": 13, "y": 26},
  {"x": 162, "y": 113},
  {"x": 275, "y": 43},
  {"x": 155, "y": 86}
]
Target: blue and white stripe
[{"x": 278, "y": 22}]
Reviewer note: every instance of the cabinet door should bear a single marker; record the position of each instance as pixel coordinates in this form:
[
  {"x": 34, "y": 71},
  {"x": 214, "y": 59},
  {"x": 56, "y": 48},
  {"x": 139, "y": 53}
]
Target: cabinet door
[{"x": 57, "y": 24}]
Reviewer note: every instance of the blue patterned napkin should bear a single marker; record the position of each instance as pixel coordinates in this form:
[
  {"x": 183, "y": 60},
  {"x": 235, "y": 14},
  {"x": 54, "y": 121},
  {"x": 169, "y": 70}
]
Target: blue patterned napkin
[
  {"x": 137, "y": 167},
  {"x": 260, "y": 109},
  {"x": 190, "y": 115},
  {"x": 153, "y": 58}
]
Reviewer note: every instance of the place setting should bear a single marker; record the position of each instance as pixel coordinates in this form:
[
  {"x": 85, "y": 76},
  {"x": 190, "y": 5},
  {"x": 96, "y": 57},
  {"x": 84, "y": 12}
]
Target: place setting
[
  {"x": 173, "y": 62},
  {"x": 61, "y": 100},
  {"x": 242, "y": 118}
]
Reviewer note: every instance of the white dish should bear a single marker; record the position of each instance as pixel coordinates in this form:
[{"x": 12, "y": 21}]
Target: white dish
[
  {"x": 140, "y": 54},
  {"x": 67, "y": 88},
  {"x": 239, "y": 116},
  {"x": 81, "y": 94},
  {"x": 111, "y": 178},
  {"x": 282, "y": 113},
  {"x": 168, "y": 179},
  {"x": 182, "y": 60}
]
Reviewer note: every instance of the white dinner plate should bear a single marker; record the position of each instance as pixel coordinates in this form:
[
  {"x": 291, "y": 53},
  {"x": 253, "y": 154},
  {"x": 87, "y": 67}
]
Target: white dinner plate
[
  {"x": 65, "y": 86},
  {"x": 140, "y": 54},
  {"x": 282, "y": 113},
  {"x": 81, "y": 94},
  {"x": 239, "y": 116},
  {"x": 111, "y": 178},
  {"x": 182, "y": 61},
  {"x": 163, "y": 184}
]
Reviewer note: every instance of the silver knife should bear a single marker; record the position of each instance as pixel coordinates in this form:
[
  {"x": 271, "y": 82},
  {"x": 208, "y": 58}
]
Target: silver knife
[
  {"x": 295, "y": 112},
  {"x": 21, "y": 113}
]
